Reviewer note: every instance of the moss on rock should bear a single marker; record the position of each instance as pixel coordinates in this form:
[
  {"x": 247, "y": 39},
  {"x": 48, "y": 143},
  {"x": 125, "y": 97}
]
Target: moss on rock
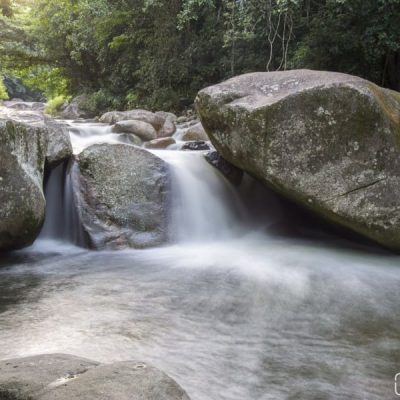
[{"x": 328, "y": 141}]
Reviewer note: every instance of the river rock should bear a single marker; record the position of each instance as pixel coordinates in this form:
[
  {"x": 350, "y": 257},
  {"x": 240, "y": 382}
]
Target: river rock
[
  {"x": 196, "y": 145},
  {"x": 168, "y": 129},
  {"x": 167, "y": 115},
  {"x": 195, "y": 132},
  {"x": 112, "y": 117},
  {"x": 161, "y": 143},
  {"x": 130, "y": 138},
  {"x": 328, "y": 141},
  {"x": 27, "y": 140},
  {"x": 75, "y": 108},
  {"x": 122, "y": 195},
  {"x": 232, "y": 173},
  {"x": 59, "y": 146},
  {"x": 66, "y": 377},
  {"x": 143, "y": 130},
  {"x": 18, "y": 104},
  {"x": 22, "y": 205}
]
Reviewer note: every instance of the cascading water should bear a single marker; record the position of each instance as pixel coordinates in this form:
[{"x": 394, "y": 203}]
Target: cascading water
[
  {"x": 205, "y": 206},
  {"x": 62, "y": 221},
  {"x": 250, "y": 315}
]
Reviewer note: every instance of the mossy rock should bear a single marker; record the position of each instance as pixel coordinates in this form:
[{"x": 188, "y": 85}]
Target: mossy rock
[
  {"x": 329, "y": 141},
  {"x": 22, "y": 203}
]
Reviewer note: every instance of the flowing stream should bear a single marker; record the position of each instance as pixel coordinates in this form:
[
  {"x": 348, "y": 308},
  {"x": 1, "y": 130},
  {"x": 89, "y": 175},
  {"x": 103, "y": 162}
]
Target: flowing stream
[{"x": 231, "y": 312}]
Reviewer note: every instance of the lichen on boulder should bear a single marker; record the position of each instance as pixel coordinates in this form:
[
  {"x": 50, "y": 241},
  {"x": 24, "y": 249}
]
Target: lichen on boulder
[
  {"x": 122, "y": 196},
  {"x": 328, "y": 141},
  {"x": 22, "y": 204}
]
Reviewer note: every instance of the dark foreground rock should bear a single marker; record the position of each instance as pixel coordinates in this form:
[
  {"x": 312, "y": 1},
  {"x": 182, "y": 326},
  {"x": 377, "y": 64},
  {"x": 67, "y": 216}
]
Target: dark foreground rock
[
  {"x": 27, "y": 141},
  {"x": 65, "y": 377},
  {"x": 122, "y": 196},
  {"x": 329, "y": 141}
]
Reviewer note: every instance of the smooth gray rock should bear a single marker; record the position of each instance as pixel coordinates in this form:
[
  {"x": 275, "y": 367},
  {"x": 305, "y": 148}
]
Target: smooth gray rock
[
  {"x": 112, "y": 117},
  {"x": 329, "y": 141},
  {"x": 167, "y": 130},
  {"x": 160, "y": 143},
  {"x": 75, "y": 109},
  {"x": 195, "y": 132},
  {"x": 27, "y": 141},
  {"x": 122, "y": 195},
  {"x": 143, "y": 130},
  {"x": 130, "y": 138},
  {"x": 167, "y": 115},
  {"x": 65, "y": 377}
]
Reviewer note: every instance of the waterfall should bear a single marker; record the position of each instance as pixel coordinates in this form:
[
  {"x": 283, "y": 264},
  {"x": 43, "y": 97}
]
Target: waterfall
[
  {"x": 85, "y": 134},
  {"x": 62, "y": 221},
  {"x": 205, "y": 206}
]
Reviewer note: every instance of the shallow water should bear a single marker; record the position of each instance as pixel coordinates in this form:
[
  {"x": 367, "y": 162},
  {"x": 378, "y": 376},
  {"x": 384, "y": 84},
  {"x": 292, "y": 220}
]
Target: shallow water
[{"x": 252, "y": 318}]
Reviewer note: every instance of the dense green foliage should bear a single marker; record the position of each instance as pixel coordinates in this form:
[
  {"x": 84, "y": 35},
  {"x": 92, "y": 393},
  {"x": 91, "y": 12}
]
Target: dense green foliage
[
  {"x": 54, "y": 104},
  {"x": 159, "y": 53},
  {"x": 3, "y": 91}
]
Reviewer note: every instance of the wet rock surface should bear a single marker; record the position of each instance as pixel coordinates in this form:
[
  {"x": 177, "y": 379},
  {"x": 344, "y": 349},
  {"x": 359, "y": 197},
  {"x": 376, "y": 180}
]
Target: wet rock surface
[
  {"x": 196, "y": 145},
  {"x": 66, "y": 377}
]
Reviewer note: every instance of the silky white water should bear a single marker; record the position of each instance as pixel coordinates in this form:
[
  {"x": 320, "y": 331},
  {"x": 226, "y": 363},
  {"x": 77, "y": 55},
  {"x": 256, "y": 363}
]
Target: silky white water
[{"x": 234, "y": 315}]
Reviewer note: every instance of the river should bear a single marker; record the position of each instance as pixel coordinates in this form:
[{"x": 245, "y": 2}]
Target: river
[{"x": 230, "y": 311}]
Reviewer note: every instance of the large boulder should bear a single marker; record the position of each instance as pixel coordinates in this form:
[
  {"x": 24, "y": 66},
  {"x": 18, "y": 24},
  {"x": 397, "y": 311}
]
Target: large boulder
[
  {"x": 66, "y": 377},
  {"x": 329, "y": 141},
  {"x": 122, "y": 194},
  {"x": 22, "y": 205},
  {"x": 27, "y": 141}
]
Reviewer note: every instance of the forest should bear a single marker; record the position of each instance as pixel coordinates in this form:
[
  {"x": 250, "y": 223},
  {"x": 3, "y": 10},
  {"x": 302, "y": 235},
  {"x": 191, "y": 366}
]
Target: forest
[{"x": 158, "y": 53}]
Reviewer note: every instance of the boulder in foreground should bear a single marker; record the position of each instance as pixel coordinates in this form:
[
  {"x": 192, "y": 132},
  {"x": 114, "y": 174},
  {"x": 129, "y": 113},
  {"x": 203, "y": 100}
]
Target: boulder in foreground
[
  {"x": 27, "y": 141},
  {"x": 65, "y": 377},
  {"x": 22, "y": 205},
  {"x": 328, "y": 141},
  {"x": 122, "y": 194}
]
